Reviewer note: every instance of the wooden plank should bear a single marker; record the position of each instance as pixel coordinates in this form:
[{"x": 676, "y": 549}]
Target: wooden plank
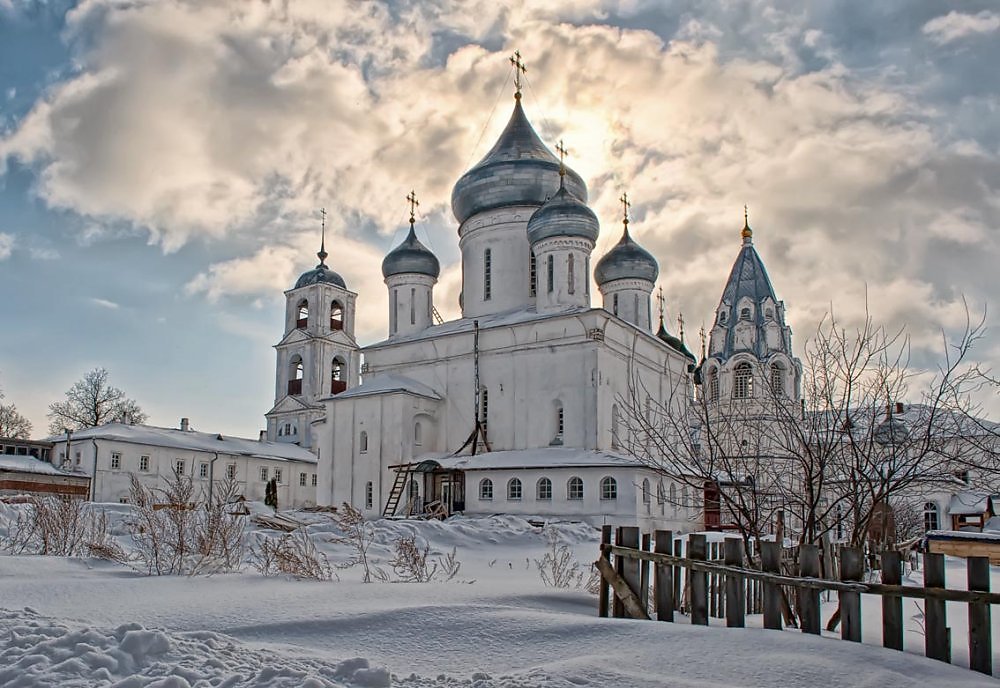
[
  {"x": 852, "y": 568},
  {"x": 809, "y": 597},
  {"x": 735, "y": 585},
  {"x": 663, "y": 582},
  {"x": 980, "y": 640},
  {"x": 604, "y": 593},
  {"x": 630, "y": 566},
  {"x": 630, "y": 602},
  {"x": 617, "y": 607},
  {"x": 698, "y": 581},
  {"x": 678, "y": 574},
  {"x": 644, "y": 572},
  {"x": 937, "y": 643},
  {"x": 770, "y": 560},
  {"x": 892, "y": 605}
]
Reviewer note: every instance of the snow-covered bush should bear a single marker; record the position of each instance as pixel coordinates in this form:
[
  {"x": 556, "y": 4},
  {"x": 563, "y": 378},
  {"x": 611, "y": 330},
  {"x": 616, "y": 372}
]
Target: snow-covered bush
[
  {"x": 59, "y": 527},
  {"x": 294, "y": 554},
  {"x": 359, "y": 535},
  {"x": 411, "y": 565},
  {"x": 558, "y": 567}
]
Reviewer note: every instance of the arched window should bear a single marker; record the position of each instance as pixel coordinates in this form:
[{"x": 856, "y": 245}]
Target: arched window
[
  {"x": 586, "y": 275},
  {"x": 574, "y": 488},
  {"x": 615, "y": 423},
  {"x": 514, "y": 490},
  {"x": 369, "y": 494},
  {"x": 614, "y": 304},
  {"x": 661, "y": 497},
  {"x": 337, "y": 382},
  {"x": 609, "y": 488},
  {"x": 931, "y": 520},
  {"x": 722, "y": 317},
  {"x": 363, "y": 441},
  {"x": 673, "y": 496},
  {"x": 393, "y": 305},
  {"x": 336, "y": 315},
  {"x": 485, "y": 490},
  {"x": 744, "y": 314},
  {"x": 532, "y": 274},
  {"x": 296, "y": 371},
  {"x": 417, "y": 434},
  {"x": 685, "y": 497},
  {"x": 571, "y": 273},
  {"x": 743, "y": 381},
  {"x": 302, "y": 319},
  {"x": 769, "y": 313},
  {"x": 543, "y": 489},
  {"x": 487, "y": 274},
  {"x": 413, "y": 305},
  {"x": 560, "y": 420},
  {"x": 713, "y": 385},
  {"x": 550, "y": 271},
  {"x": 647, "y": 497},
  {"x": 777, "y": 380},
  {"x": 484, "y": 407}
]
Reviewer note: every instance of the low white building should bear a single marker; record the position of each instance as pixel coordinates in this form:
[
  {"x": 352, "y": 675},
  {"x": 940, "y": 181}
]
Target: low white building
[{"x": 112, "y": 453}]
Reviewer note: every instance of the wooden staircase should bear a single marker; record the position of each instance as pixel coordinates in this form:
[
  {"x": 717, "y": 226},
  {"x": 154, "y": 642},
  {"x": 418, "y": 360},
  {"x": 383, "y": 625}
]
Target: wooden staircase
[{"x": 396, "y": 493}]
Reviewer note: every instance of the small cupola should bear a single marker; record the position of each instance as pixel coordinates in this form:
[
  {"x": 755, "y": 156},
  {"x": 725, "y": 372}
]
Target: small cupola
[{"x": 627, "y": 259}]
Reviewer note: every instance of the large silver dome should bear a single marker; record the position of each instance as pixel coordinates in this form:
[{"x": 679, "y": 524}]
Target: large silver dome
[
  {"x": 411, "y": 257},
  {"x": 563, "y": 215},
  {"x": 518, "y": 170},
  {"x": 321, "y": 273},
  {"x": 626, "y": 260}
]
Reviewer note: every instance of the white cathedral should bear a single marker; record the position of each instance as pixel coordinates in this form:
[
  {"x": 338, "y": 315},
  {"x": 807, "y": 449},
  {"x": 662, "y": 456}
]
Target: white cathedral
[{"x": 515, "y": 406}]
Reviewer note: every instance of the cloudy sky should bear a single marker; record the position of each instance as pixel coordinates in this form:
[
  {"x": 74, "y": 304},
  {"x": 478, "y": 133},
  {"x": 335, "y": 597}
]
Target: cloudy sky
[{"x": 162, "y": 163}]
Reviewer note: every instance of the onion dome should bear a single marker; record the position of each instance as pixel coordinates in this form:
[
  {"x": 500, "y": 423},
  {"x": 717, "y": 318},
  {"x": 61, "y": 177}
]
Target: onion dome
[
  {"x": 321, "y": 274},
  {"x": 411, "y": 257},
  {"x": 892, "y": 431},
  {"x": 626, "y": 260},
  {"x": 518, "y": 170},
  {"x": 677, "y": 344},
  {"x": 563, "y": 215}
]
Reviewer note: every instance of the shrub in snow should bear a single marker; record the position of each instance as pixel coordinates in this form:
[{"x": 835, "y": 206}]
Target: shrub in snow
[
  {"x": 410, "y": 562},
  {"x": 558, "y": 568},
  {"x": 359, "y": 535},
  {"x": 294, "y": 554},
  {"x": 59, "y": 527}
]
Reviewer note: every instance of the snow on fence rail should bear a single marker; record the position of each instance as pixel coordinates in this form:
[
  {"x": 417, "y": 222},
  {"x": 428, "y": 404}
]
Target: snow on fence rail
[{"x": 628, "y": 590}]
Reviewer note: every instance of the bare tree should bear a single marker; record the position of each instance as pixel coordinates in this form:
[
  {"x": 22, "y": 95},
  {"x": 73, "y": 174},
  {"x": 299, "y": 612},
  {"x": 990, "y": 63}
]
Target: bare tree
[
  {"x": 91, "y": 402},
  {"x": 12, "y": 424}
]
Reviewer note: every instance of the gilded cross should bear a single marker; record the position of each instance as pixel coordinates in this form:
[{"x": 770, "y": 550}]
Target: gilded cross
[
  {"x": 660, "y": 300},
  {"x": 519, "y": 69},
  {"x": 746, "y": 214},
  {"x": 322, "y": 242},
  {"x": 625, "y": 206},
  {"x": 412, "y": 198},
  {"x": 562, "y": 156}
]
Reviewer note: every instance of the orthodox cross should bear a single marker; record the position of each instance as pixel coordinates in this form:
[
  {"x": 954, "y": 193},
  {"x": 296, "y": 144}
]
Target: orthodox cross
[
  {"x": 519, "y": 69},
  {"x": 680, "y": 324},
  {"x": 746, "y": 214},
  {"x": 322, "y": 242},
  {"x": 562, "y": 157},
  {"x": 412, "y": 198},
  {"x": 659, "y": 300},
  {"x": 625, "y": 206},
  {"x": 701, "y": 333}
]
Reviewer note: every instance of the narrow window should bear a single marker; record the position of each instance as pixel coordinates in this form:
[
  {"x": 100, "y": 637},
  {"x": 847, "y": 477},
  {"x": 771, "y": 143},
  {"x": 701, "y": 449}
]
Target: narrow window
[
  {"x": 392, "y": 311},
  {"x": 302, "y": 479},
  {"x": 314, "y": 480},
  {"x": 550, "y": 269},
  {"x": 609, "y": 488},
  {"x": 574, "y": 489},
  {"x": 722, "y": 317},
  {"x": 744, "y": 314},
  {"x": 277, "y": 475},
  {"x": 586, "y": 276},
  {"x": 571, "y": 274},
  {"x": 636, "y": 309},
  {"x": 485, "y": 489},
  {"x": 544, "y": 489},
  {"x": 413, "y": 306},
  {"x": 661, "y": 497},
  {"x": 430, "y": 309},
  {"x": 203, "y": 469},
  {"x": 364, "y": 441},
  {"x": 930, "y": 516},
  {"x": 263, "y": 474},
  {"x": 646, "y": 496},
  {"x": 560, "y": 424},
  {"x": 487, "y": 274},
  {"x": 179, "y": 467},
  {"x": 514, "y": 490},
  {"x": 302, "y": 317},
  {"x": 713, "y": 385},
  {"x": 337, "y": 382},
  {"x": 615, "y": 422},
  {"x": 484, "y": 407},
  {"x": 614, "y": 304},
  {"x": 743, "y": 381},
  {"x": 417, "y": 434},
  {"x": 144, "y": 463},
  {"x": 336, "y": 316},
  {"x": 777, "y": 380},
  {"x": 685, "y": 498},
  {"x": 296, "y": 371},
  {"x": 532, "y": 274},
  {"x": 231, "y": 471},
  {"x": 673, "y": 496},
  {"x": 369, "y": 494},
  {"x": 116, "y": 460}
]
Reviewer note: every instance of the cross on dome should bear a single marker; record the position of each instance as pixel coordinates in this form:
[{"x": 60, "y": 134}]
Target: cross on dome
[
  {"x": 519, "y": 69},
  {"x": 562, "y": 158},
  {"x": 322, "y": 254},
  {"x": 625, "y": 208},
  {"x": 412, "y": 199}
]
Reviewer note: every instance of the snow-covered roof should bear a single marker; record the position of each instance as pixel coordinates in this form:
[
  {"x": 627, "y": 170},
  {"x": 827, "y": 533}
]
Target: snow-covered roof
[
  {"x": 968, "y": 503},
  {"x": 548, "y": 457},
  {"x": 389, "y": 382},
  {"x": 29, "y": 464},
  {"x": 193, "y": 440}
]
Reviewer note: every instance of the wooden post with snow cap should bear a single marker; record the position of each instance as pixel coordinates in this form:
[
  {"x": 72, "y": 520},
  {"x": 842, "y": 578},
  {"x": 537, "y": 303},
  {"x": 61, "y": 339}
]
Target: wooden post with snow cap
[
  {"x": 892, "y": 606},
  {"x": 604, "y": 594},
  {"x": 735, "y": 585},
  {"x": 809, "y": 597},
  {"x": 852, "y": 567},
  {"x": 937, "y": 644},
  {"x": 698, "y": 580},
  {"x": 663, "y": 577}
]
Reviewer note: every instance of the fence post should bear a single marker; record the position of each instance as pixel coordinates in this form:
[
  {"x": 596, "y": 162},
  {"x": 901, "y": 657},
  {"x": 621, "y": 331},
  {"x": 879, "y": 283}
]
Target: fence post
[
  {"x": 678, "y": 573},
  {"x": 980, "y": 641},
  {"x": 937, "y": 643},
  {"x": 852, "y": 567},
  {"x": 663, "y": 582},
  {"x": 604, "y": 597},
  {"x": 770, "y": 560},
  {"x": 630, "y": 566},
  {"x": 809, "y": 597},
  {"x": 892, "y": 606},
  {"x": 735, "y": 585},
  {"x": 644, "y": 573},
  {"x": 617, "y": 606},
  {"x": 698, "y": 581}
]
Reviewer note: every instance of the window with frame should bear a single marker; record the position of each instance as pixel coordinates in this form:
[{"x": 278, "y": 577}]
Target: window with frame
[
  {"x": 485, "y": 490},
  {"x": 484, "y": 407},
  {"x": 179, "y": 466},
  {"x": 713, "y": 385},
  {"x": 647, "y": 496},
  {"x": 744, "y": 313},
  {"x": 777, "y": 380},
  {"x": 487, "y": 274},
  {"x": 203, "y": 469},
  {"x": 560, "y": 421},
  {"x": 369, "y": 494},
  {"x": 363, "y": 442},
  {"x": 143, "y": 463},
  {"x": 231, "y": 471},
  {"x": 614, "y": 304},
  {"x": 514, "y": 490},
  {"x": 571, "y": 274},
  {"x": 743, "y": 381},
  {"x": 609, "y": 488},
  {"x": 263, "y": 474},
  {"x": 116, "y": 460},
  {"x": 673, "y": 496},
  {"x": 685, "y": 497},
  {"x": 302, "y": 479},
  {"x": 550, "y": 273},
  {"x": 661, "y": 497},
  {"x": 418, "y": 435},
  {"x": 574, "y": 488},
  {"x": 532, "y": 274},
  {"x": 931, "y": 514},
  {"x": 543, "y": 489},
  {"x": 314, "y": 480},
  {"x": 277, "y": 475}
]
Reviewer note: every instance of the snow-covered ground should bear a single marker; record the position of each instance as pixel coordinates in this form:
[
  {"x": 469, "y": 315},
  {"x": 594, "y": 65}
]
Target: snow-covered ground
[{"x": 83, "y": 622}]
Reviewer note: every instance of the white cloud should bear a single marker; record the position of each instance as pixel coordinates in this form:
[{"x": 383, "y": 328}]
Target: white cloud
[
  {"x": 6, "y": 245},
  {"x": 957, "y": 25},
  {"x": 104, "y": 303}
]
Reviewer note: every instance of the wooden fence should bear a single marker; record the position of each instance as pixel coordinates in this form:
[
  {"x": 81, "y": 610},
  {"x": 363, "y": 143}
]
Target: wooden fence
[{"x": 642, "y": 575}]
